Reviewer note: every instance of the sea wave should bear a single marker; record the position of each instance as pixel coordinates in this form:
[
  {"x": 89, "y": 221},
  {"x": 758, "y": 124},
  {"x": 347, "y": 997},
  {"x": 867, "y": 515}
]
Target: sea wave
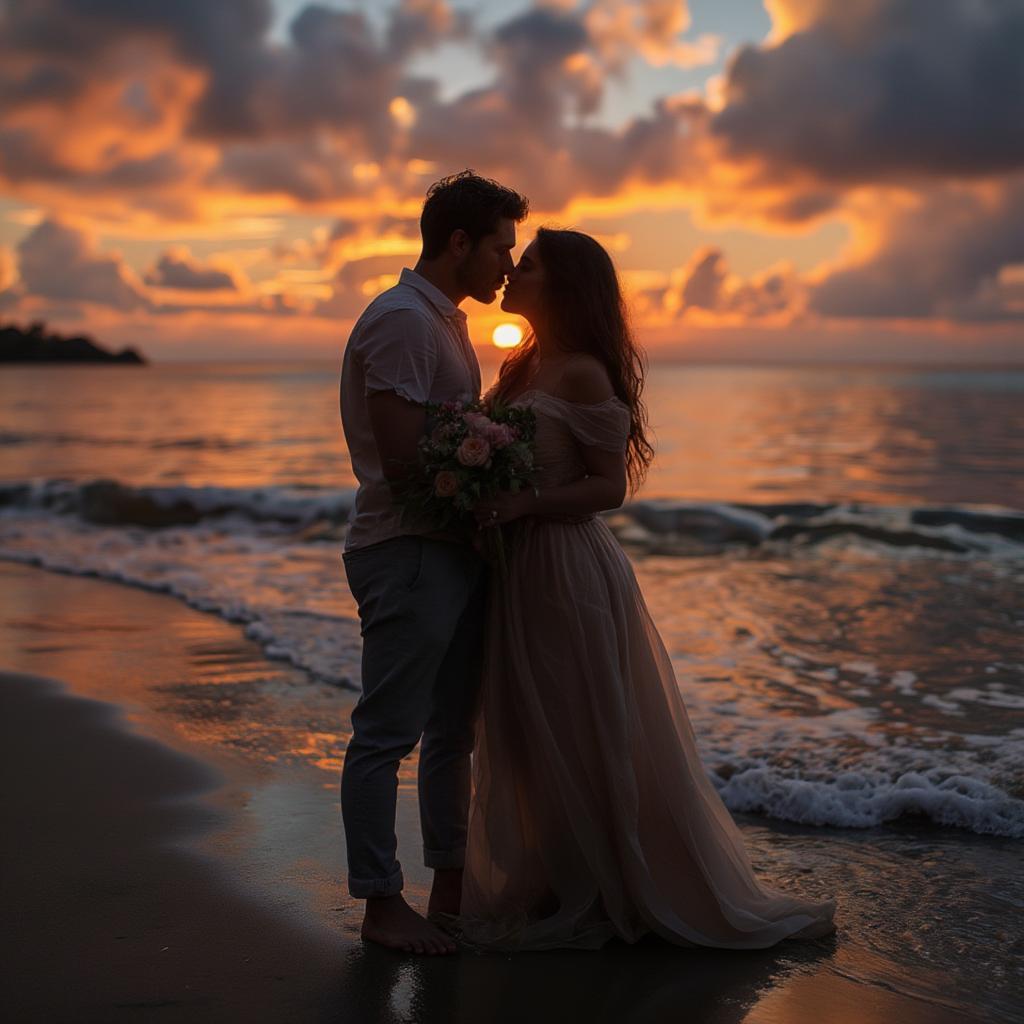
[
  {"x": 58, "y": 439},
  {"x": 111, "y": 503},
  {"x": 252, "y": 560},
  {"x": 670, "y": 526},
  {"x": 660, "y": 526},
  {"x": 289, "y": 597}
]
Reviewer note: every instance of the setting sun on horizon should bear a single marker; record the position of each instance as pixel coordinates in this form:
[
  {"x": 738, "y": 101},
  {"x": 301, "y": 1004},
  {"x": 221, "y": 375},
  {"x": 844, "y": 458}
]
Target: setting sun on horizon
[{"x": 507, "y": 335}]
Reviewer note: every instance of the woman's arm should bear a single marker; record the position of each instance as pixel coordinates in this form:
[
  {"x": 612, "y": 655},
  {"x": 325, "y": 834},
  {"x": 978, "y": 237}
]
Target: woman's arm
[{"x": 604, "y": 487}]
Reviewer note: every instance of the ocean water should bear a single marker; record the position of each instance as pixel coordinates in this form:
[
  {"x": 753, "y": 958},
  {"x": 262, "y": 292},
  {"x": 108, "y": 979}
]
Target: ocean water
[{"x": 834, "y": 557}]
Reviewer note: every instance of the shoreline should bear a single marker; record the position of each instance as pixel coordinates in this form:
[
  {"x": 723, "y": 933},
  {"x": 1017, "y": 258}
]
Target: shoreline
[
  {"x": 111, "y": 909},
  {"x": 195, "y": 809}
]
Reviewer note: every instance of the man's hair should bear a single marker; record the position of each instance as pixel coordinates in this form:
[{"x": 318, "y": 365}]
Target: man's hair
[{"x": 470, "y": 202}]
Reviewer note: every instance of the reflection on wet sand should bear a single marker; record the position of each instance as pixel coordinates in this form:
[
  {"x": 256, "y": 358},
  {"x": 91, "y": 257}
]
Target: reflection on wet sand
[{"x": 651, "y": 981}]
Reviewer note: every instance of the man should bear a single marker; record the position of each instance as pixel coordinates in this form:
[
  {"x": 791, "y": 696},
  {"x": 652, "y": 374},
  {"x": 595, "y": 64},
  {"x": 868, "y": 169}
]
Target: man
[{"x": 420, "y": 596}]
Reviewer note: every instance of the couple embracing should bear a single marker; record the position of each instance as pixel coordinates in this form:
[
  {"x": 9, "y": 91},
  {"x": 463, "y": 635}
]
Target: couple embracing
[{"x": 562, "y": 797}]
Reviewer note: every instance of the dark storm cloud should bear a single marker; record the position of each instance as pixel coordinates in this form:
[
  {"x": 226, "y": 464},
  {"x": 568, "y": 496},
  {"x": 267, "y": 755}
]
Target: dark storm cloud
[
  {"x": 703, "y": 284},
  {"x": 178, "y": 108},
  {"x": 531, "y": 52},
  {"x": 70, "y": 39},
  {"x": 83, "y": 29},
  {"x": 177, "y": 269},
  {"x": 58, "y": 261},
  {"x": 519, "y": 119},
  {"x": 707, "y": 284},
  {"x": 335, "y": 73},
  {"x": 296, "y": 168},
  {"x": 871, "y": 90},
  {"x": 861, "y": 91},
  {"x": 421, "y": 24},
  {"x": 299, "y": 118},
  {"x": 25, "y": 157},
  {"x": 530, "y": 125},
  {"x": 941, "y": 259},
  {"x": 151, "y": 172}
]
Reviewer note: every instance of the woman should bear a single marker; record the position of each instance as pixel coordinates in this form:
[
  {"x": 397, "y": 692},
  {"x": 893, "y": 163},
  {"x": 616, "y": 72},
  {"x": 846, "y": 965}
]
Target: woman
[{"x": 592, "y": 814}]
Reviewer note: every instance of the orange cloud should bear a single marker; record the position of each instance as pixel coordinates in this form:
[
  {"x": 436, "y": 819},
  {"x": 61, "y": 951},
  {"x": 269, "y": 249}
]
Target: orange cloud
[
  {"x": 652, "y": 28},
  {"x": 175, "y": 123},
  {"x": 8, "y": 272}
]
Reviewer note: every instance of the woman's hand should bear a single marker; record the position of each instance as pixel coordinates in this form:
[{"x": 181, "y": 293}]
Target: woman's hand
[{"x": 502, "y": 508}]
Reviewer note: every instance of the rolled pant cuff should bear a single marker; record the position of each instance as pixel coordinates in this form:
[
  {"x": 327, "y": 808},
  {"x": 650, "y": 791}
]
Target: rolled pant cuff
[
  {"x": 369, "y": 888},
  {"x": 444, "y": 859}
]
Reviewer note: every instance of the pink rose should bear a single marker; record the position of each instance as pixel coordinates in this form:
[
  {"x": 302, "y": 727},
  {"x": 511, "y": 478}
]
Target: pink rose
[
  {"x": 474, "y": 451},
  {"x": 498, "y": 434},
  {"x": 446, "y": 484},
  {"x": 476, "y": 421}
]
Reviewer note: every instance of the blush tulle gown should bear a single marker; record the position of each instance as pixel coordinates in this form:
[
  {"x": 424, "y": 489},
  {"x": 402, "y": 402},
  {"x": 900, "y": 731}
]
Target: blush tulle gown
[{"x": 592, "y": 815}]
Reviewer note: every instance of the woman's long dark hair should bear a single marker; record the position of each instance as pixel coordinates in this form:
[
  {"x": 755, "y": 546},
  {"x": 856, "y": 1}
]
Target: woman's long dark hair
[{"x": 585, "y": 310}]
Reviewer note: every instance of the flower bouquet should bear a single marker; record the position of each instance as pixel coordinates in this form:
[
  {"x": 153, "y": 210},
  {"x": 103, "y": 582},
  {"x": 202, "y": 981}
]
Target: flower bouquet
[{"x": 470, "y": 452}]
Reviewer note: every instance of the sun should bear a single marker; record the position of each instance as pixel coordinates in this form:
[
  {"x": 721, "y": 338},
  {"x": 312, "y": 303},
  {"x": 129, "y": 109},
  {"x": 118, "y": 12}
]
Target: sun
[{"x": 507, "y": 335}]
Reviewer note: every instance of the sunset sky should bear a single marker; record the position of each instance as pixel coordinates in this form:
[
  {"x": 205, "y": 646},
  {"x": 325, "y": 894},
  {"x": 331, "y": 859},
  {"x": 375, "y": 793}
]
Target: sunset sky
[{"x": 792, "y": 179}]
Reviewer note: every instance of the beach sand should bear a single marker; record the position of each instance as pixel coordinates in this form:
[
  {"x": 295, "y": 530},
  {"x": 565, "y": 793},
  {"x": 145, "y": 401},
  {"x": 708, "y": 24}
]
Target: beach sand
[{"x": 174, "y": 852}]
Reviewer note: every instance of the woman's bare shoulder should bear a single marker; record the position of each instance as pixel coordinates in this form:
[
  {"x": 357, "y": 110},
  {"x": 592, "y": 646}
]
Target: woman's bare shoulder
[{"x": 585, "y": 380}]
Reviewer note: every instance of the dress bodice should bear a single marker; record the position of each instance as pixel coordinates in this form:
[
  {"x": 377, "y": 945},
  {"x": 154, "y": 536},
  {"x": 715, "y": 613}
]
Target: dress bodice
[{"x": 564, "y": 427}]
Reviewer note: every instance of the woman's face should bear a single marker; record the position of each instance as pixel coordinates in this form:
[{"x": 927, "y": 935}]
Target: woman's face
[{"x": 524, "y": 290}]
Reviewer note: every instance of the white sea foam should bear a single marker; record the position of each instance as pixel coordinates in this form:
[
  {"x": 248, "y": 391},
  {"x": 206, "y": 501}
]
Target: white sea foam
[
  {"x": 292, "y": 598},
  {"x": 992, "y": 696},
  {"x": 865, "y": 798},
  {"x": 903, "y": 682},
  {"x": 947, "y": 707}
]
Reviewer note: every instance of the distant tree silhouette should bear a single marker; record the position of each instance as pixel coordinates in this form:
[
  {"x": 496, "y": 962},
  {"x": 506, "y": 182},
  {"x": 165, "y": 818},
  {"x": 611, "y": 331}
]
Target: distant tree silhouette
[{"x": 35, "y": 345}]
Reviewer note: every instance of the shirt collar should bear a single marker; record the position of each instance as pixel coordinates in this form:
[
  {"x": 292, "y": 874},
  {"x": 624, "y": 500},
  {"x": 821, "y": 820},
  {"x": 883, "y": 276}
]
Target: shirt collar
[{"x": 437, "y": 298}]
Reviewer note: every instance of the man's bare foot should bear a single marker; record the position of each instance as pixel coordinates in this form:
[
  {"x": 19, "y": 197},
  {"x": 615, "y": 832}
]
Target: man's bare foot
[
  {"x": 390, "y": 921},
  {"x": 446, "y": 892}
]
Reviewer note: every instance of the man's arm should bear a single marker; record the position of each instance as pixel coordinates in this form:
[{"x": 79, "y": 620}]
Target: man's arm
[
  {"x": 399, "y": 358},
  {"x": 397, "y": 425}
]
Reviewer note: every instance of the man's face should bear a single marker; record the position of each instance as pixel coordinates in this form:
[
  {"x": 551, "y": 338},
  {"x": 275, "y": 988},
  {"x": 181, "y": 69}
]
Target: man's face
[{"x": 484, "y": 267}]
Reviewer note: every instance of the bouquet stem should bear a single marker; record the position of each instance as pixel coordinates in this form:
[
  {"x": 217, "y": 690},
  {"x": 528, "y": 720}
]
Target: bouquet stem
[{"x": 494, "y": 548}]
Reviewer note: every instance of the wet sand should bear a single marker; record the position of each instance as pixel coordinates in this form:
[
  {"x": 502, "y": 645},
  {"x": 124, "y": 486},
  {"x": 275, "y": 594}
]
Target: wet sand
[{"x": 174, "y": 852}]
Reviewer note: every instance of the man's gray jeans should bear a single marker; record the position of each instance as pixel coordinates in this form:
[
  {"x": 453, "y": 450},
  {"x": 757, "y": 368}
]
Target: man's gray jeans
[{"x": 421, "y": 610}]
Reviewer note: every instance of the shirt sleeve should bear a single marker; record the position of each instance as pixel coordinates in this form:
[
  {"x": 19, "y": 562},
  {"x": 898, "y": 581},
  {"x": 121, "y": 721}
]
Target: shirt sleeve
[{"x": 398, "y": 352}]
